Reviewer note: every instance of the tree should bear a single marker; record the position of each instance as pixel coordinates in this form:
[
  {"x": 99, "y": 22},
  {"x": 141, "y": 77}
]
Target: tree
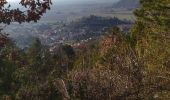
[
  {"x": 31, "y": 82},
  {"x": 34, "y": 10},
  {"x": 35, "y": 54},
  {"x": 151, "y": 40},
  {"x": 3, "y": 40},
  {"x": 9, "y": 62}
]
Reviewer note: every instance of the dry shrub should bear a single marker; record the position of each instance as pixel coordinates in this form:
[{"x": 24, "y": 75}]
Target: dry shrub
[{"x": 99, "y": 83}]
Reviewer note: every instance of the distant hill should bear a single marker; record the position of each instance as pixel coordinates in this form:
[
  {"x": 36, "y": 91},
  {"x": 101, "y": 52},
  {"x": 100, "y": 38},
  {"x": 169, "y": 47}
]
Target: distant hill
[
  {"x": 92, "y": 26},
  {"x": 127, "y": 4},
  {"x": 60, "y": 32}
]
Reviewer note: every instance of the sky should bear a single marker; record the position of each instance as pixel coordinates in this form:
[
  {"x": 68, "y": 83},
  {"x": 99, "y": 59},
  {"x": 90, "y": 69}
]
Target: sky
[
  {"x": 15, "y": 3},
  {"x": 70, "y": 1}
]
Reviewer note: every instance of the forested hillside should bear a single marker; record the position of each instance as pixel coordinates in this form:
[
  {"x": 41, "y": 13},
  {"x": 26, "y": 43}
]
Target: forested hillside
[{"x": 115, "y": 66}]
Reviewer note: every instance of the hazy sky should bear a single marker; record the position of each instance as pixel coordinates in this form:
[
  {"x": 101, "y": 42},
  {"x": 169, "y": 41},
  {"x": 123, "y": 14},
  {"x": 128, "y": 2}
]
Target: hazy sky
[
  {"x": 70, "y": 1},
  {"x": 15, "y": 3}
]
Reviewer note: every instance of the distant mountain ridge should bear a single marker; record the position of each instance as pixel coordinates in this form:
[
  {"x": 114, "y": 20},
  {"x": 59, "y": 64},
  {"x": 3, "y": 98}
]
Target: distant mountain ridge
[{"x": 127, "y": 4}]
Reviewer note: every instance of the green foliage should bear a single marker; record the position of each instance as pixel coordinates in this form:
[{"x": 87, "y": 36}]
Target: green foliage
[
  {"x": 115, "y": 66},
  {"x": 151, "y": 36},
  {"x": 35, "y": 53}
]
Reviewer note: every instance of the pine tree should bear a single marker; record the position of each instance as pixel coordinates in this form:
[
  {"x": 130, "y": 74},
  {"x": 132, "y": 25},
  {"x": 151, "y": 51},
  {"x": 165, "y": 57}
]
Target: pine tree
[{"x": 35, "y": 54}]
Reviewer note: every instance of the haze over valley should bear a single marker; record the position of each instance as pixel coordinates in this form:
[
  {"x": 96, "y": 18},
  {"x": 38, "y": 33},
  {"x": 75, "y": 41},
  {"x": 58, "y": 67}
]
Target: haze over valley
[{"x": 66, "y": 13}]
